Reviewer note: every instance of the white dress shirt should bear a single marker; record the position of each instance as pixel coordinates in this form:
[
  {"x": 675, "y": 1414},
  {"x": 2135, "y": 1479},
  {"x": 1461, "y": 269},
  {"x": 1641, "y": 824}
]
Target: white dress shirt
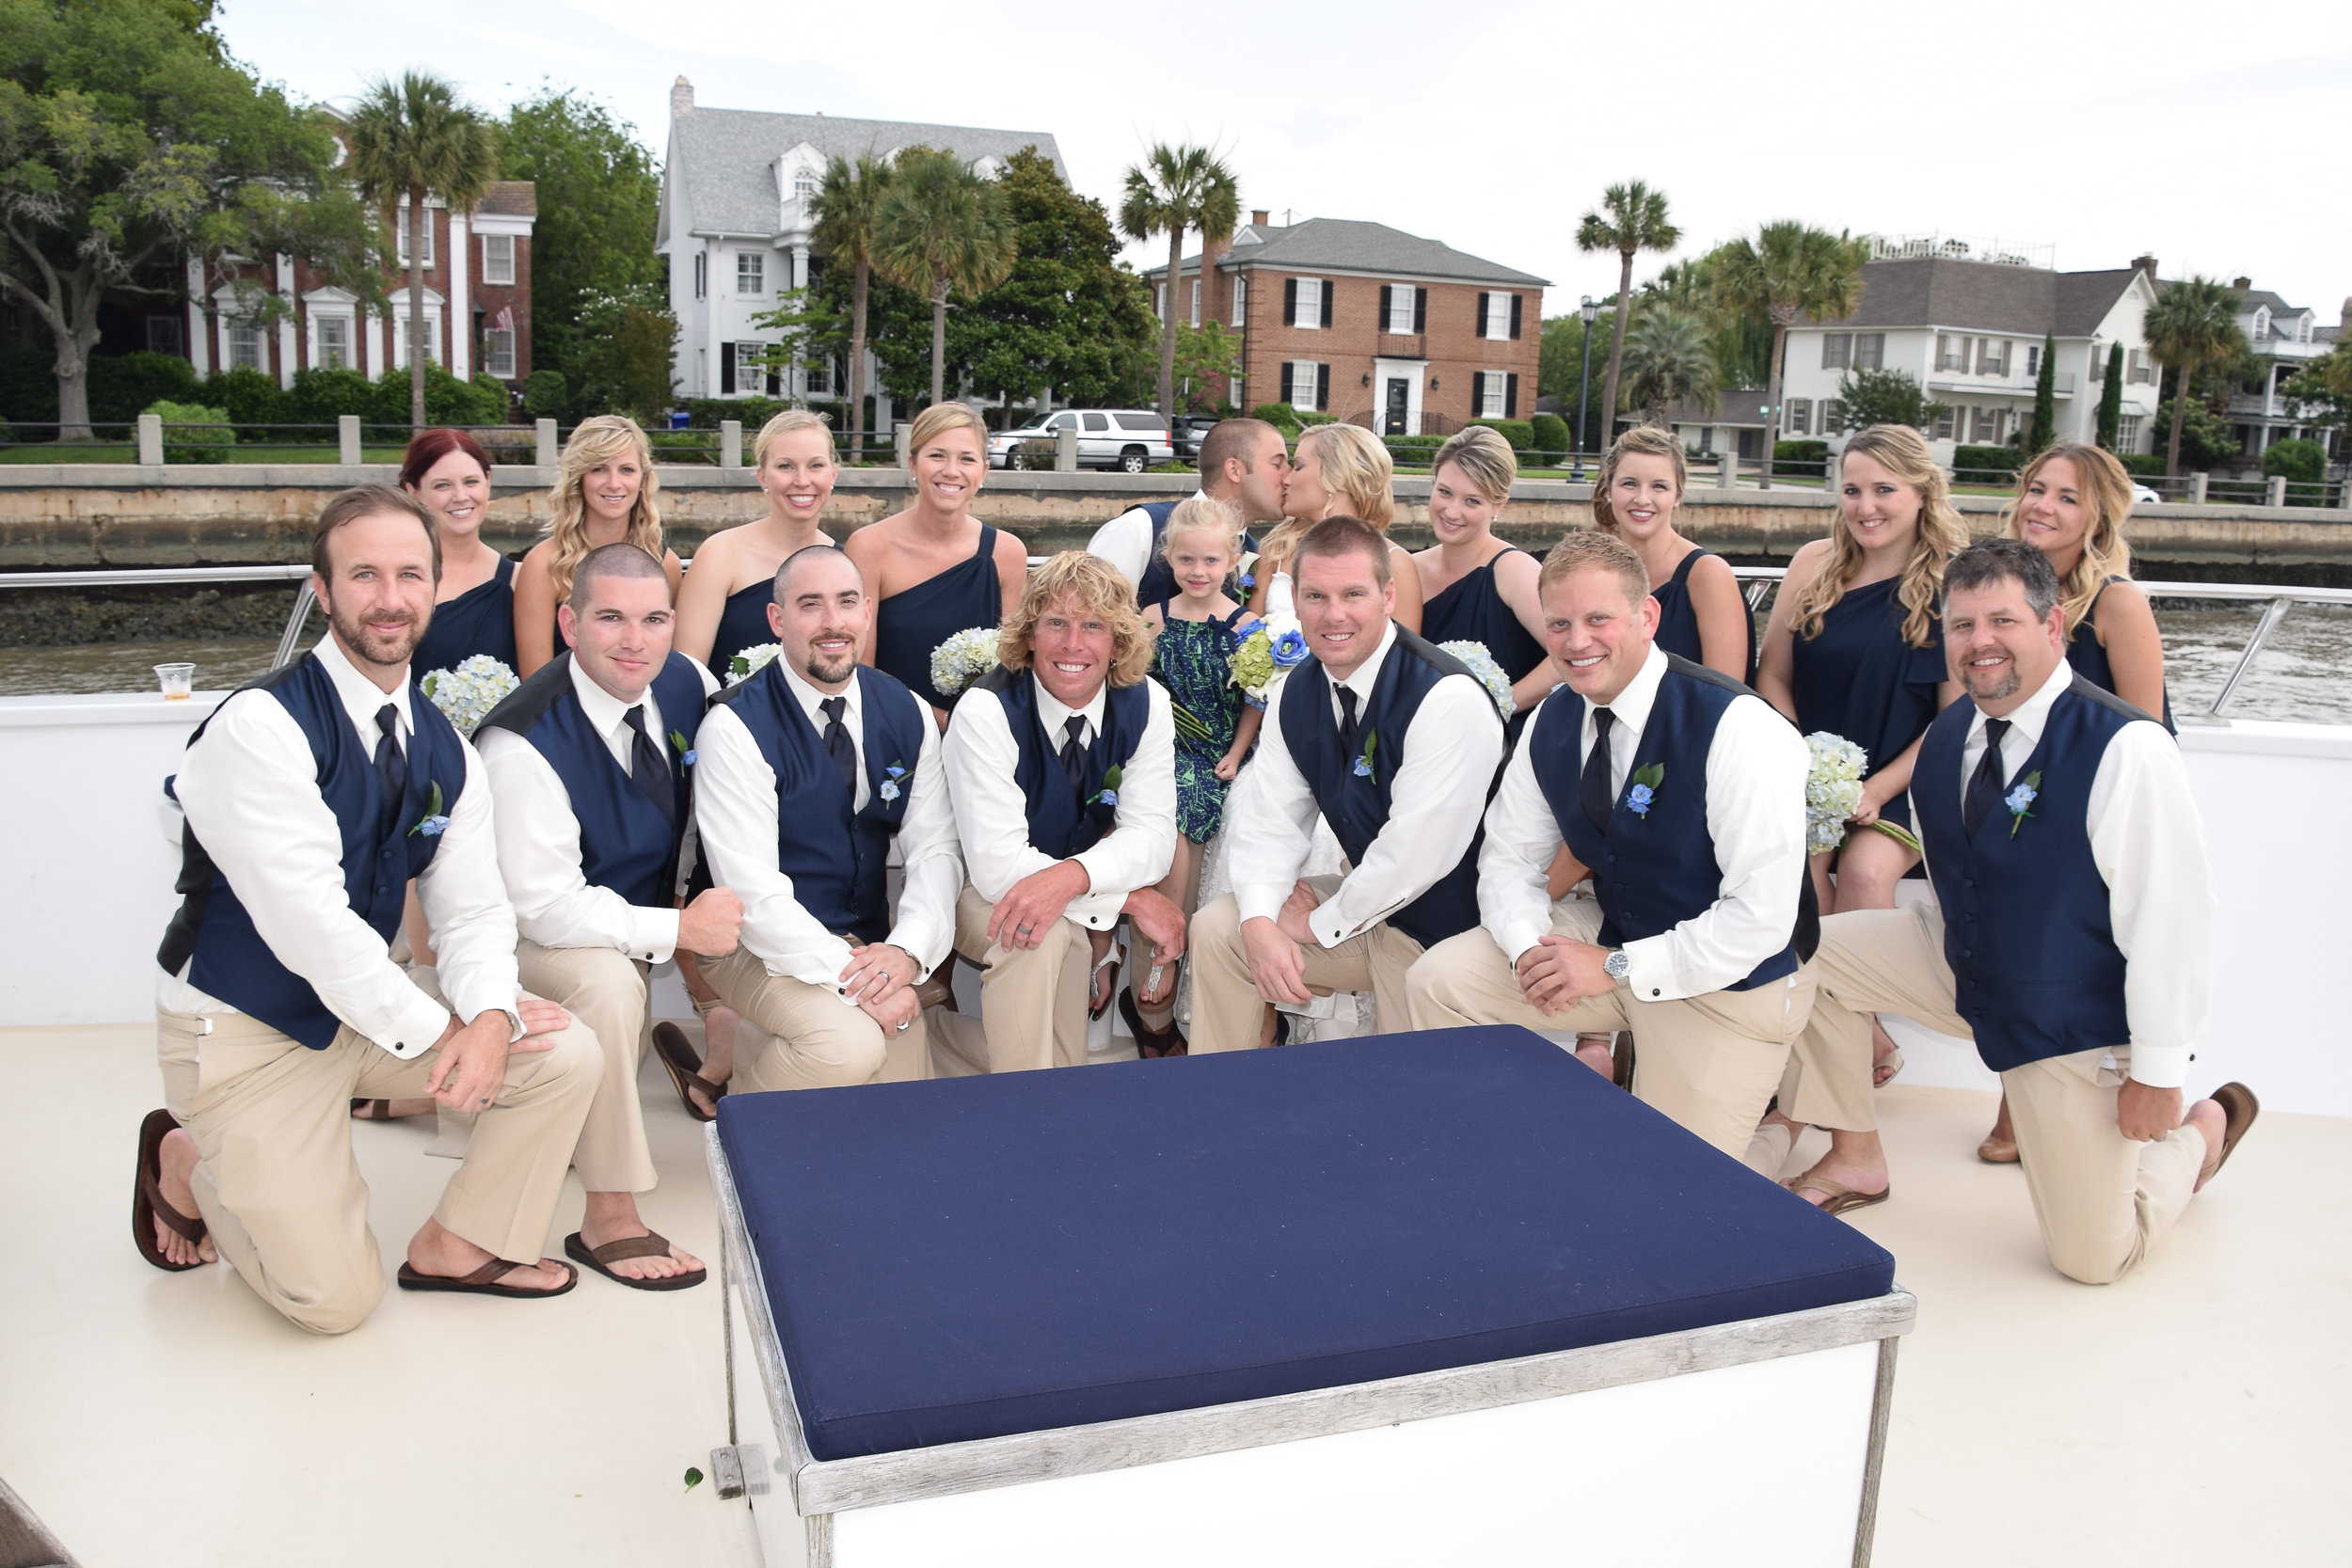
[
  {"x": 1756, "y": 771},
  {"x": 1125, "y": 542},
  {"x": 251, "y": 791},
  {"x": 736, "y": 811},
  {"x": 538, "y": 835},
  {"x": 1450, "y": 751},
  {"x": 2149, "y": 843},
  {"x": 993, "y": 821}
]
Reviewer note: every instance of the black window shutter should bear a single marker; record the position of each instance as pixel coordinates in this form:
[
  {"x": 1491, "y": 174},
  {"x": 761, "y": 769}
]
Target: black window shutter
[
  {"x": 1420, "y": 310},
  {"x": 1511, "y": 396},
  {"x": 1478, "y": 386},
  {"x": 1516, "y": 300},
  {"x": 1327, "y": 304},
  {"x": 1290, "y": 301},
  {"x": 726, "y": 367},
  {"x": 1483, "y": 299},
  {"x": 1388, "y": 298},
  {"x": 1323, "y": 387}
]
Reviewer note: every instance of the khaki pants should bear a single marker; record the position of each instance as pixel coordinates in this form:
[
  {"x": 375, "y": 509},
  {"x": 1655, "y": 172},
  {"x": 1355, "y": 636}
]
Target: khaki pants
[
  {"x": 1227, "y": 1014},
  {"x": 1710, "y": 1063},
  {"x": 2101, "y": 1199},
  {"x": 1033, "y": 1000},
  {"x": 815, "y": 1040},
  {"x": 605, "y": 990},
  {"x": 274, "y": 1178}
]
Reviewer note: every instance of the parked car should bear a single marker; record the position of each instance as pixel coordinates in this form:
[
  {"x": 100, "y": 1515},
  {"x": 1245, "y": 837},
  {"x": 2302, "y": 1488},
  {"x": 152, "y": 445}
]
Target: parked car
[
  {"x": 2142, "y": 495},
  {"x": 1127, "y": 439},
  {"x": 1190, "y": 428}
]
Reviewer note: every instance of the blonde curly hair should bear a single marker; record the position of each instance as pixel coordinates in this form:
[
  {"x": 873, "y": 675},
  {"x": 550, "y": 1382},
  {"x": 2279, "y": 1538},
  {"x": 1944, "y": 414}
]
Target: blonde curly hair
[
  {"x": 1100, "y": 590},
  {"x": 1903, "y": 452},
  {"x": 597, "y": 441},
  {"x": 2107, "y": 492}
]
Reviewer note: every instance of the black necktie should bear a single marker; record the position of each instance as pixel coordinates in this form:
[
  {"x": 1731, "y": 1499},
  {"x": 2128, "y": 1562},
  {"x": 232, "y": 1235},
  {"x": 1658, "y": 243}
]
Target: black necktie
[
  {"x": 1074, "y": 754},
  {"x": 647, "y": 770},
  {"x": 1347, "y": 722},
  {"x": 1595, "y": 791},
  {"x": 840, "y": 746},
  {"x": 391, "y": 768},
  {"x": 1984, "y": 784}
]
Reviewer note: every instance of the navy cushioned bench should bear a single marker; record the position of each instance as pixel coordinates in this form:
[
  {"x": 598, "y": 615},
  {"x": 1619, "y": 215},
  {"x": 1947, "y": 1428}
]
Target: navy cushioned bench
[{"x": 979, "y": 1256}]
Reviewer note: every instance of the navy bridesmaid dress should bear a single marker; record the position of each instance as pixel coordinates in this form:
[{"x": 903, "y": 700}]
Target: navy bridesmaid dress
[
  {"x": 910, "y": 623},
  {"x": 2090, "y": 660},
  {"x": 744, "y": 624},
  {"x": 479, "y": 621},
  {"x": 1678, "y": 619},
  {"x": 1470, "y": 610},
  {"x": 1858, "y": 678}
]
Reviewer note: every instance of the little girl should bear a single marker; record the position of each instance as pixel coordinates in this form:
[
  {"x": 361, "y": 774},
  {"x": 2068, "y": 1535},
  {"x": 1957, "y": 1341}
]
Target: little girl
[{"x": 1199, "y": 627}]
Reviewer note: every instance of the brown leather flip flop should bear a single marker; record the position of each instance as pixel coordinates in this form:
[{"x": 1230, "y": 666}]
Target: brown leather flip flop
[
  {"x": 484, "y": 1280},
  {"x": 685, "y": 1069},
  {"x": 648, "y": 1245},
  {"x": 1841, "y": 1198},
  {"x": 146, "y": 1197},
  {"x": 2238, "y": 1110}
]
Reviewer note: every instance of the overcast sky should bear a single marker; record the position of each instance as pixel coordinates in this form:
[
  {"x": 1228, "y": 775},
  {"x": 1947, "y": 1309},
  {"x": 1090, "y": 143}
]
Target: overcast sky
[{"x": 2210, "y": 136}]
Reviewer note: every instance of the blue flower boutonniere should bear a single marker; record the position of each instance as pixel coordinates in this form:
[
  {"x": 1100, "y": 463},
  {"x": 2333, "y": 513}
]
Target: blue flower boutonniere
[
  {"x": 432, "y": 824},
  {"x": 1644, "y": 793},
  {"x": 2020, "y": 801},
  {"x": 1289, "y": 650},
  {"x": 891, "y": 775},
  {"x": 1108, "y": 794},
  {"x": 686, "y": 755},
  {"x": 1365, "y": 767}
]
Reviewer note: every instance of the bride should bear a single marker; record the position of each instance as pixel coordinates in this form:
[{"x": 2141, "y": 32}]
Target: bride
[{"x": 1339, "y": 469}]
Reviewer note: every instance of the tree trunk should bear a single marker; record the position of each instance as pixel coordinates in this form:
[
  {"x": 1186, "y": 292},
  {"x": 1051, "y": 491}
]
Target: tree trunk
[
  {"x": 1616, "y": 351},
  {"x": 1168, "y": 326},
  {"x": 857, "y": 358},
  {"x": 2179, "y": 418},
  {"x": 416, "y": 308},
  {"x": 938, "y": 342},
  {"x": 73, "y": 348},
  {"x": 1772, "y": 398}
]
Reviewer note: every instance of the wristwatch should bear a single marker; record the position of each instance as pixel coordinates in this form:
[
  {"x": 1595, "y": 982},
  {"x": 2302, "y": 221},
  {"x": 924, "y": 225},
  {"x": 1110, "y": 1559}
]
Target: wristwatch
[{"x": 1616, "y": 965}]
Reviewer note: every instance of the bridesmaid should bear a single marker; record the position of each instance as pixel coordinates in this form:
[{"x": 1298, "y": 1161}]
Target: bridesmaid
[
  {"x": 2071, "y": 504},
  {"x": 1337, "y": 469},
  {"x": 1480, "y": 589},
  {"x": 473, "y": 605},
  {"x": 1855, "y": 647},
  {"x": 722, "y": 607},
  {"x": 604, "y": 494},
  {"x": 1701, "y": 613},
  {"x": 934, "y": 570}
]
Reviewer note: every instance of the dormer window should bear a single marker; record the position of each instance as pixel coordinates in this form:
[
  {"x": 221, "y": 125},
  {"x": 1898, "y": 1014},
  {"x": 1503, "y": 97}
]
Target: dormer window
[
  {"x": 804, "y": 185},
  {"x": 2261, "y": 322}
]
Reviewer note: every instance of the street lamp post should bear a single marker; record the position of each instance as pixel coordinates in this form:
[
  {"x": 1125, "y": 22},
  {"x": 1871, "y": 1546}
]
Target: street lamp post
[{"x": 1591, "y": 312}]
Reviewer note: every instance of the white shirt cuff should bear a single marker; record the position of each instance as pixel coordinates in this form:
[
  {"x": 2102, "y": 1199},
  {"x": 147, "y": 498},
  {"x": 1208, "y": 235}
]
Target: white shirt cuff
[
  {"x": 2160, "y": 1067},
  {"x": 1517, "y": 934},
  {"x": 1328, "y": 927},
  {"x": 1651, "y": 976},
  {"x": 652, "y": 935},
  {"x": 1259, "y": 903}
]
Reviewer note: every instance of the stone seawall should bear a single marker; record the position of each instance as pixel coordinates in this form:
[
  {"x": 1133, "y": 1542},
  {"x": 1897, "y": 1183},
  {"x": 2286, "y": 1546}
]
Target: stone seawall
[{"x": 80, "y": 517}]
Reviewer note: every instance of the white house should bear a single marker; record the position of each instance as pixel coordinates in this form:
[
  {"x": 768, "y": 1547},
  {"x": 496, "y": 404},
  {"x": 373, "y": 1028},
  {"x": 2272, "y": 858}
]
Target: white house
[
  {"x": 2285, "y": 339},
  {"x": 735, "y": 223},
  {"x": 1971, "y": 333}
]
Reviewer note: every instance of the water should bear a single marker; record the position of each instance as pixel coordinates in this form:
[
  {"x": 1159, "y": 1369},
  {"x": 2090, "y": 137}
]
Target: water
[{"x": 2304, "y": 674}]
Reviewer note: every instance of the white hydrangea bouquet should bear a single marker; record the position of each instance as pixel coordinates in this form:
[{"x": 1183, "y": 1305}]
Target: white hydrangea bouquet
[
  {"x": 751, "y": 661},
  {"x": 1833, "y": 793},
  {"x": 466, "y": 694},
  {"x": 962, "y": 658},
  {"x": 1271, "y": 649},
  {"x": 1481, "y": 663}
]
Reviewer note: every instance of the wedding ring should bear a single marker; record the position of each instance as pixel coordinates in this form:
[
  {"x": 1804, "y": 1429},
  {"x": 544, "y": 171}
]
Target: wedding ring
[
  {"x": 904, "y": 1025},
  {"x": 1024, "y": 930},
  {"x": 484, "y": 1101}
]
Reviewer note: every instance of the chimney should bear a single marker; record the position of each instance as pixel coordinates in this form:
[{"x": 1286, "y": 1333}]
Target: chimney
[
  {"x": 2242, "y": 284},
  {"x": 1258, "y": 218},
  {"x": 2146, "y": 264},
  {"x": 682, "y": 99}
]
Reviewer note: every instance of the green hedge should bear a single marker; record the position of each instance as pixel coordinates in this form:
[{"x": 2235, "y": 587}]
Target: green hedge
[
  {"x": 1519, "y": 433},
  {"x": 1987, "y": 459},
  {"x": 2148, "y": 464},
  {"x": 2301, "y": 462},
  {"x": 1551, "y": 433},
  {"x": 545, "y": 394},
  {"x": 209, "y": 441},
  {"x": 1416, "y": 450},
  {"x": 1801, "y": 459}
]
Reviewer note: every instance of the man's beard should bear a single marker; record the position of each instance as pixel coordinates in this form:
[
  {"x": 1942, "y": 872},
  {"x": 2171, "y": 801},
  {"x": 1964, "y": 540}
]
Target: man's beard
[
  {"x": 829, "y": 674},
  {"x": 373, "y": 646},
  {"x": 2006, "y": 687}
]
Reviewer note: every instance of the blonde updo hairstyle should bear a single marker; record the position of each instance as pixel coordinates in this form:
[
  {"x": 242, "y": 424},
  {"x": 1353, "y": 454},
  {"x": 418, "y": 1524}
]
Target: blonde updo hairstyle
[
  {"x": 1642, "y": 440},
  {"x": 597, "y": 441},
  {"x": 1357, "y": 469},
  {"x": 784, "y": 424},
  {"x": 2107, "y": 492},
  {"x": 1903, "y": 452},
  {"x": 1484, "y": 458},
  {"x": 941, "y": 417}
]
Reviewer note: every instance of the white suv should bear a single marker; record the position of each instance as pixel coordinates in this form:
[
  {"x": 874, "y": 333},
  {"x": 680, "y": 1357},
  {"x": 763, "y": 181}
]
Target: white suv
[{"x": 1127, "y": 439}]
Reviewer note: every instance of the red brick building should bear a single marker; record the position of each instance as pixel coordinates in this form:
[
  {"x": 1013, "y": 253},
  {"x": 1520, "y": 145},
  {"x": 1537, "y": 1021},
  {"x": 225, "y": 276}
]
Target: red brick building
[{"x": 1385, "y": 330}]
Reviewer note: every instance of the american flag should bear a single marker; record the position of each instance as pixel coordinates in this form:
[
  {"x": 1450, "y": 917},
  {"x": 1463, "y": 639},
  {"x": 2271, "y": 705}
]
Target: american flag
[{"x": 505, "y": 322}]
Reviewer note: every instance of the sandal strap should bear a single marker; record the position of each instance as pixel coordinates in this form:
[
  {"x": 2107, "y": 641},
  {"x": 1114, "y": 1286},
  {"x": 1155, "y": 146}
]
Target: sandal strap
[
  {"x": 648, "y": 1245},
  {"x": 189, "y": 1229},
  {"x": 489, "y": 1272}
]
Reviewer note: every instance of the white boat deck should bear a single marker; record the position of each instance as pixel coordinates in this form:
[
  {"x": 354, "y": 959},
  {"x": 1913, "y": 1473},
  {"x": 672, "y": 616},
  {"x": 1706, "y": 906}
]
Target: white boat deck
[{"x": 2195, "y": 1409}]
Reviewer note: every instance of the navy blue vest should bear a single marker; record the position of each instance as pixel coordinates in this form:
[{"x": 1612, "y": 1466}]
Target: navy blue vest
[
  {"x": 1656, "y": 868},
  {"x": 2035, "y": 968},
  {"x": 1062, "y": 825},
  {"x": 836, "y": 861},
  {"x": 1356, "y": 807},
  {"x": 1157, "y": 582},
  {"x": 626, "y": 844},
  {"x": 215, "y": 929}
]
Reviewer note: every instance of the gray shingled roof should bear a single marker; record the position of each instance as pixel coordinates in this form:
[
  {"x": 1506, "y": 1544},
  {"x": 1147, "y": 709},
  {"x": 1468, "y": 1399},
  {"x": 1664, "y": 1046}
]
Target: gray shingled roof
[
  {"x": 1985, "y": 296},
  {"x": 1742, "y": 406},
  {"x": 512, "y": 199},
  {"x": 726, "y": 156},
  {"x": 1344, "y": 244}
]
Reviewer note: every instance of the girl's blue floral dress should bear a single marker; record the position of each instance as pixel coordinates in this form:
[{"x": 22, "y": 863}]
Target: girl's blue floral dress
[{"x": 1193, "y": 661}]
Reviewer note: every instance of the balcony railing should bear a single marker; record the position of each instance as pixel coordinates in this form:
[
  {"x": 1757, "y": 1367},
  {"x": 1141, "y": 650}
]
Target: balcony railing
[{"x": 1402, "y": 346}]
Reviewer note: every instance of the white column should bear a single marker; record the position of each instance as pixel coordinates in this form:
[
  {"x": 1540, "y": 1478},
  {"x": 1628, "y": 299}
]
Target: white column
[
  {"x": 460, "y": 313},
  {"x": 362, "y": 338},
  {"x": 711, "y": 320},
  {"x": 199, "y": 345},
  {"x": 287, "y": 327}
]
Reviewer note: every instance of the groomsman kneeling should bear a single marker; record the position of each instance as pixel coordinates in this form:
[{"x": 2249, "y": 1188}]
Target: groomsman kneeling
[
  {"x": 589, "y": 768},
  {"x": 312, "y": 798},
  {"x": 2074, "y": 932},
  {"x": 1062, "y": 763},
  {"x": 1391, "y": 742},
  {"x": 1684, "y": 793},
  {"x": 807, "y": 770}
]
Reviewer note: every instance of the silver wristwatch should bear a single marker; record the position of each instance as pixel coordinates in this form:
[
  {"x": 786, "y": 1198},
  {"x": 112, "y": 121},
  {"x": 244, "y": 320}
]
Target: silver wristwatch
[{"x": 1616, "y": 966}]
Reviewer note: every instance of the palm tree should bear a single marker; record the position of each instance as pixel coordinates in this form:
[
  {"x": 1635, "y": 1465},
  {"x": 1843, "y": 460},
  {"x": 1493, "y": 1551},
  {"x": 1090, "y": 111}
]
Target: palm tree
[
  {"x": 1789, "y": 269},
  {"x": 1670, "y": 357},
  {"x": 2192, "y": 324},
  {"x": 846, "y": 209},
  {"x": 407, "y": 139},
  {"x": 1173, "y": 189},
  {"x": 1635, "y": 221},
  {"x": 939, "y": 229}
]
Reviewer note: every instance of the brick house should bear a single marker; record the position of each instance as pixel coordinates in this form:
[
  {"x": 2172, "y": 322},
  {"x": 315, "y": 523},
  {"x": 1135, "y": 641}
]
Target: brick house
[
  {"x": 476, "y": 303},
  {"x": 1382, "y": 328}
]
